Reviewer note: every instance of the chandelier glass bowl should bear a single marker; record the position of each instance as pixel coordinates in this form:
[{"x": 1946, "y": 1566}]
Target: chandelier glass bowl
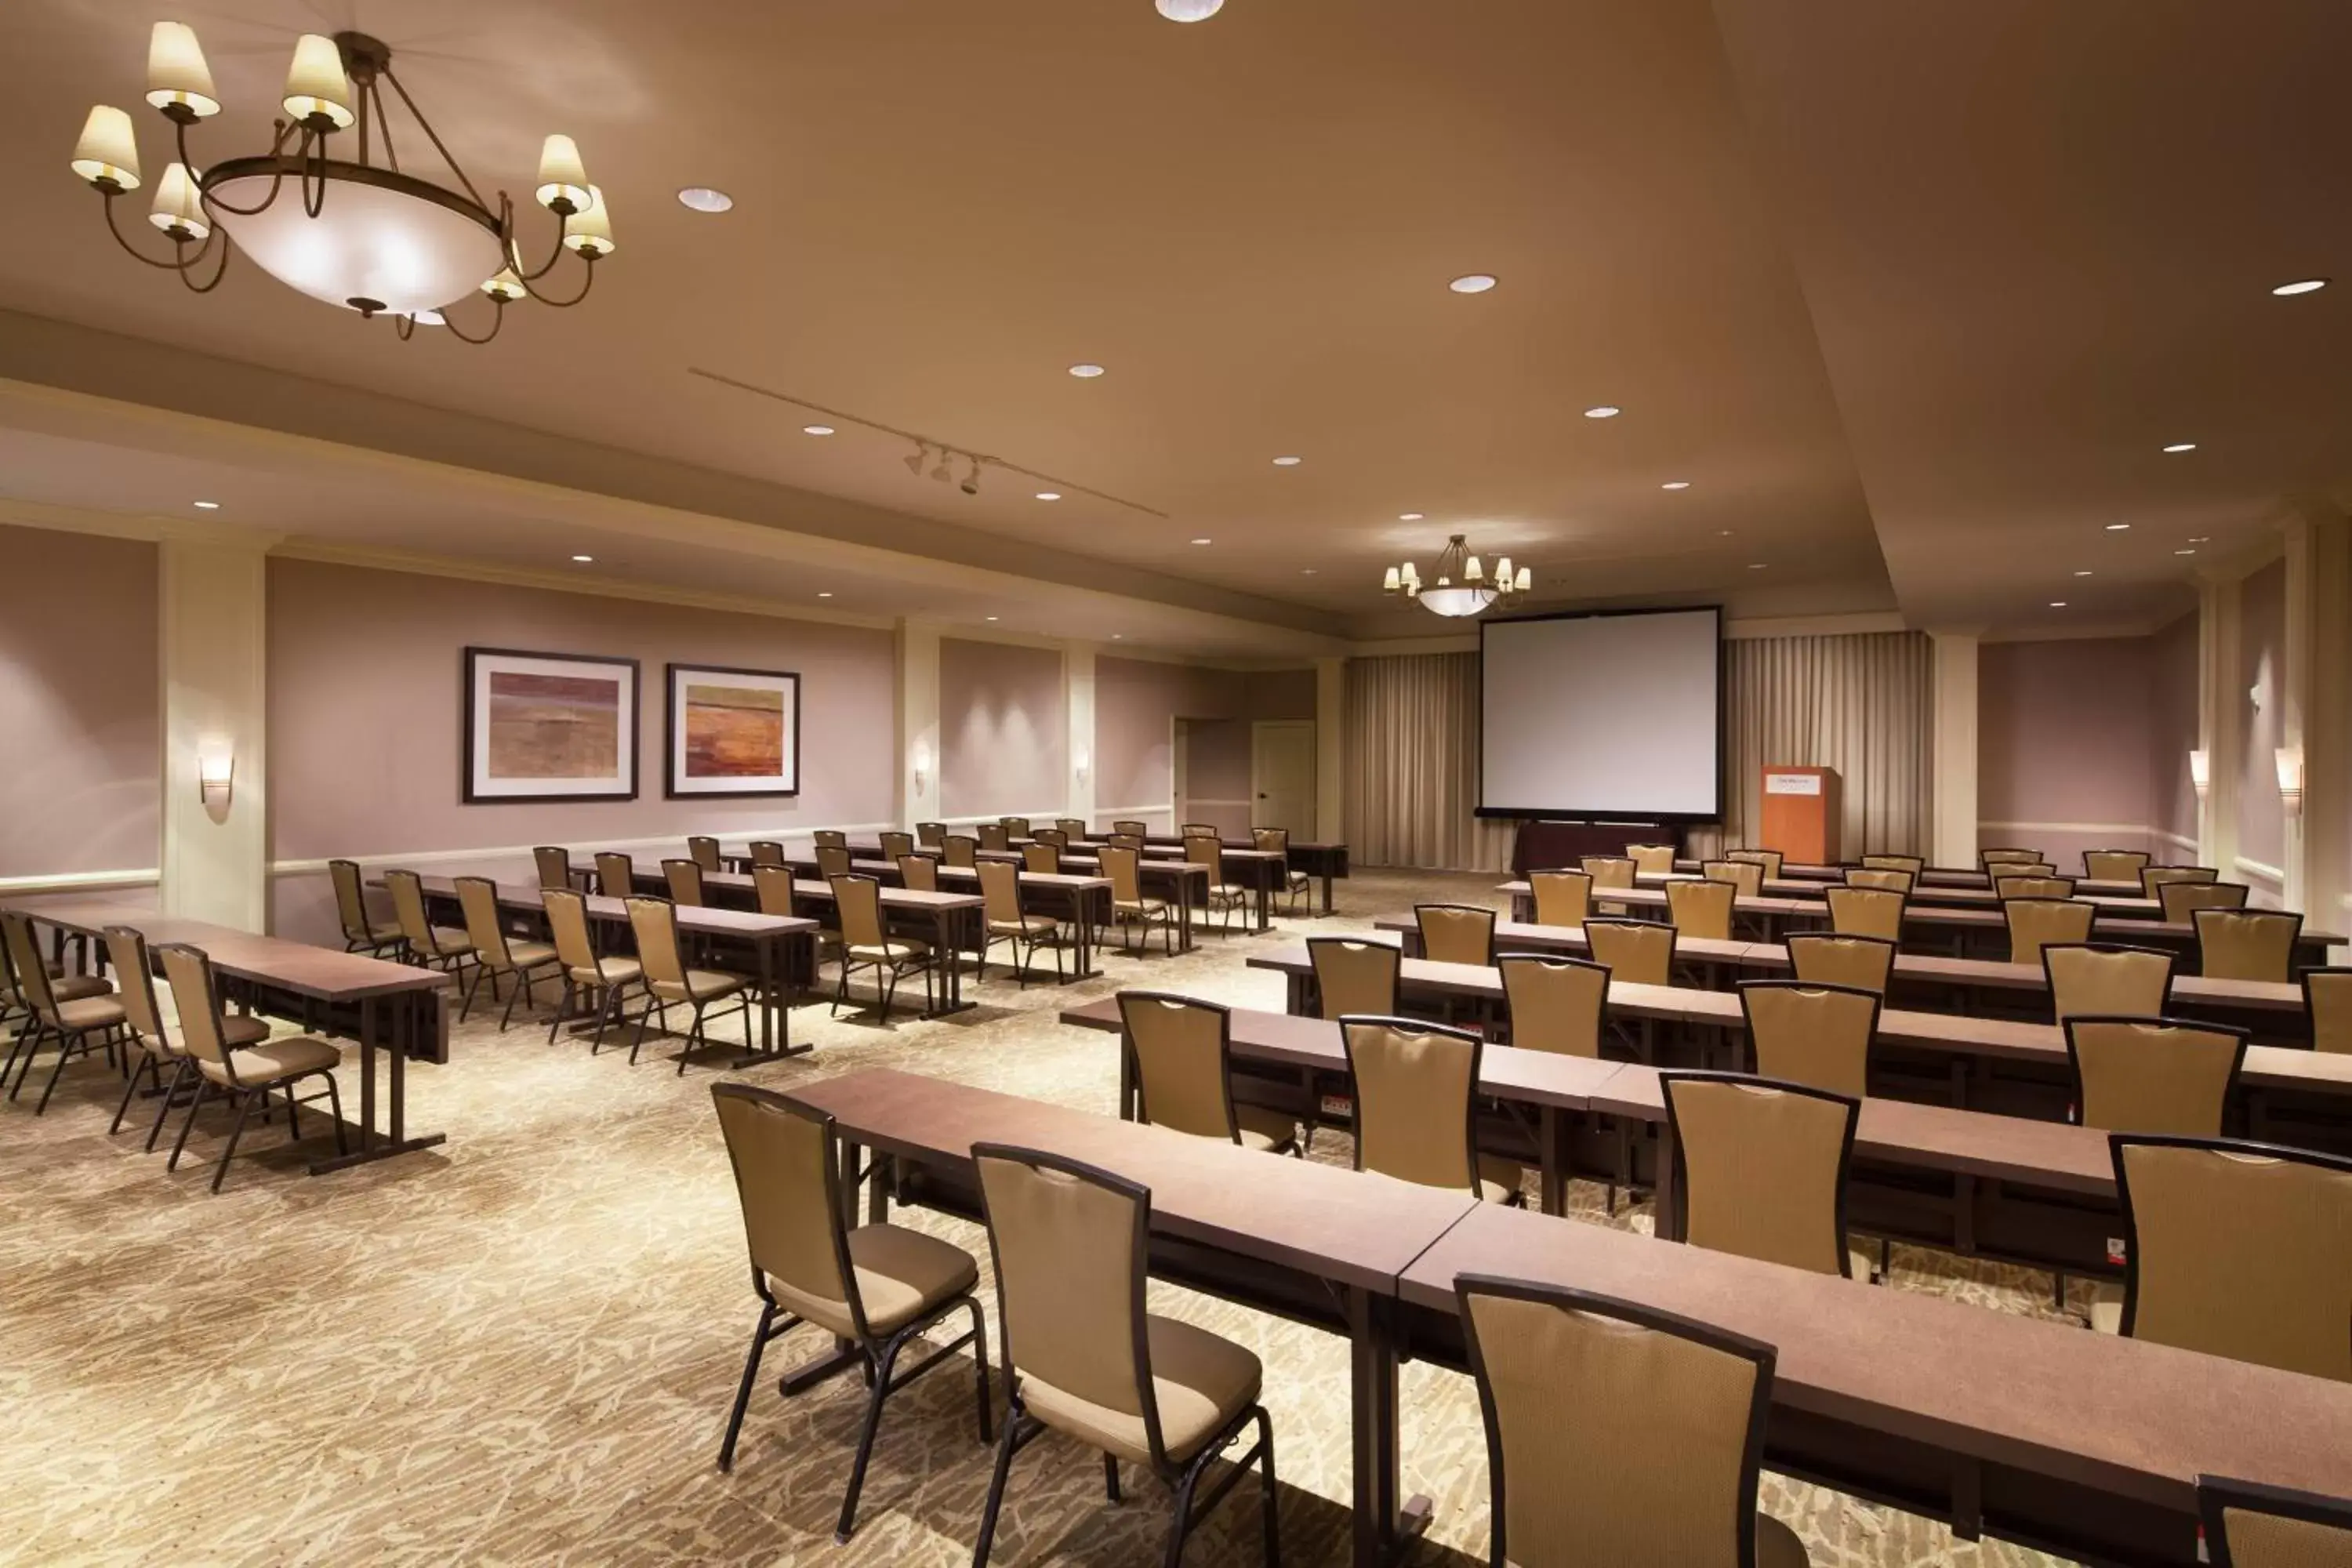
[{"x": 1463, "y": 587}]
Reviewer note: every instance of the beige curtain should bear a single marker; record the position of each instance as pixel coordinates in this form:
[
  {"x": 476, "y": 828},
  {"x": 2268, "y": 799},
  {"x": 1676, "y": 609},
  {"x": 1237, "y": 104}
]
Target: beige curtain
[
  {"x": 1412, "y": 765},
  {"x": 1862, "y": 705}
]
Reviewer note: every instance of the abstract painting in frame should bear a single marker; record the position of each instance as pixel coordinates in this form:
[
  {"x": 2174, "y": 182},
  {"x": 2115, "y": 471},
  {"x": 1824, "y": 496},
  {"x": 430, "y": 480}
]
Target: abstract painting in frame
[
  {"x": 733, "y": 731},
  {"x": 549, "y": 726}
]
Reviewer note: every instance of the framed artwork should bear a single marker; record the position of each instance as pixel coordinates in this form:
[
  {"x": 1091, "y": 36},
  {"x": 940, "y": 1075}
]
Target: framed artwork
[
  {"x": 549, "y": 726},
  {"x": 733, "y": 731}
]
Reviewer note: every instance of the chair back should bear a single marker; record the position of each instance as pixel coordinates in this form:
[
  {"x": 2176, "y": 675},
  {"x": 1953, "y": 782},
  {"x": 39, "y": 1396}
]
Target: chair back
[
  {"x": 1352, "y": 977},
  {"x": 1200, "y": 830},
  {"x": 2113, "y": 865},
  {"x": 2006, "y": 887},
  {"x": 2154, "y": 1075},
  {"x": 1702, "y": 911},
  {"x": 994, "y": 835},
  {"x": 1128, "y": 825},
  {"x": 1746, "y": 876},
  {"x": 684, "y": 878},
  {"x": 1041, "y": 858},
  {"x": 1015, "y": 826},
  {"x": 2151, "y": 878},
  {"x": 655, "y": 924},
  {"x": 196, "y": 999},
  {"x": 832, "y": 860},
  {"x": 1455, "y": 934},
  {"x": 2181, "y": 901},
  {"x": 1652, "y": 859},
  {"x": 1000, "y": 891},
  {"x": 1641, "y": 953},
  {"x": 773, "y": 886},
  {"x": 766, "y": 852},
  {"x": 2036, "y": 923},
  {"x": 616, "y": 877},
  {"x": 1989, "y": 859},
  {"x": 1270, "y": 840},
  {"x": 1124, "y": 867},
  {"x": 1761, "y": 1165},
  {"x": 2327, "y": 1000},
  {"x": 1126, "y": 841},
  {"x": 1053, "y": 837},
  {"x": 1771, "y": 859},
  {"x": 1555, "y": 1003},
  {"x": 786, "y": 1161},
  {"x": 554, "y": 865},
  {"x": 1069, "y": 1243},
  {"x": 2238, "y": 1249},
  {"x": 1562, "y": 898},
  {"x": 134, "y": 982},
  {"x": 567, "y": 923},
  {"x": 1573, "y": 1387},
  {"x": 1884, "y": 862},
  {"x": 408, "y": 891},
  {"x": 896, "y": 845},
  {"x": 2249, "y": 1525},
  {"x": 478, "y": 897},
  {"x": 919, "y": 872},
  {"x": 1889, "y": 879},
  {"x": 1179, "y": 1048},
  {"x": 1415, "y": 1084},
  {"x": 829, "y": 838},
  {"x": 934, "y": 834},
  {"x": 857, "y": 900},
  {"x": 960, "y": 849},
  {"x": 2247, "y": 944},
  {"x": 1610, "y": 870},
  {"x": 1866, "y": 911},
  {"x": 1206, "y": 849},
  {"x": 1825, "y": 958},
  {"x": 24, "y": 953},
  {"x": 1069, "y": 827},
  {"x": 2102, "y": 980},
  {"x": 703, "y": 850},
  {"x": 1818, "y": 1036},
  {"x": 350, "y": 902}
]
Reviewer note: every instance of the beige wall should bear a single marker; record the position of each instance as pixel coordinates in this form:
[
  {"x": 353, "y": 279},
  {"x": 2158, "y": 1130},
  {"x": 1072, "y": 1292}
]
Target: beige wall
[
  {"x": 1004, "y": 731},
  {"x": 79, "y": 707},
  {"x": 2261, "y": 836},
  {"x": 1135, "y": 703},
  {"x": 366, "y": 705},
  {"x": 2172, "y": 735},
  {"x": 2063, "y": 738}
]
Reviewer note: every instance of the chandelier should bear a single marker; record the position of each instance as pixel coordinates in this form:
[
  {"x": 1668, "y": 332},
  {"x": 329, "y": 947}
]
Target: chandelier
[
  {"x": 1462, "y": 587},
  {"x": 356, "y": 232}
]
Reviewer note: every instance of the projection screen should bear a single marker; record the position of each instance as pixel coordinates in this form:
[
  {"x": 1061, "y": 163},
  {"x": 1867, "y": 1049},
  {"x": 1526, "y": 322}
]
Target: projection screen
[{"x": 1615, "y": 715}]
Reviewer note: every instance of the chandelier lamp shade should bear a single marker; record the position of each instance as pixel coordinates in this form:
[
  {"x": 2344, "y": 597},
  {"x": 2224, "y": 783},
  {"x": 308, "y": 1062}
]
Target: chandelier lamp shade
[
  {"x": 1462, "y": 586},
  {"x": 327, "y": 210}
]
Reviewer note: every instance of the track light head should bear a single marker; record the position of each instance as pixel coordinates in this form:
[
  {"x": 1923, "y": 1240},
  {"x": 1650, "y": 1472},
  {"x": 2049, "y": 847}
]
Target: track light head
[
  {"x": 971, "y": 481},
  {"x": 915, "y": 463},
  {"x": 943, "y": 473}
]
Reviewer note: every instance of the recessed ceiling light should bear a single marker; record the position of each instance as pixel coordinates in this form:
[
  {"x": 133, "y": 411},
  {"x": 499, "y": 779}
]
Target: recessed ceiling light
[
  {"x": 1200, "y": 542},
  {"x": 2182, "y": 447},
  {"x": 206, "y": 505},
  {"x": 1189, "y": 10},
  {"x": 824, "y": 594},
  {"x": 1472, "y": 283},
  {"x": 584, "y": 558},
  {"x": 2057, "y": 604},
  {"x": 1287, "y": 462},
  {"x": 2200, "y": 539},
  {"x": 1756, "y": 566},
  {"x": 2119, "y": 528},
  {"x": 1675, "y": 485},
  {"x": 1411, "y": 516},
  {"x": 2184, "y": 552},
  {"x": 1306, "y": 571},
  {"x": 1606, "y": 411},
  {"x": 1723, "y": 534},
  {"x": 2082, "y": 573},
  {"x": 1117, "y": 636},
  {"x": 1086, "y": 372},
  {"x": 2304, "y": 286},
  {"x": 703, "y": 199},
  {"x": 991, "y": 617},
  {"x": 1049, "y": 495},
  {"x": 816, "y": 429}
]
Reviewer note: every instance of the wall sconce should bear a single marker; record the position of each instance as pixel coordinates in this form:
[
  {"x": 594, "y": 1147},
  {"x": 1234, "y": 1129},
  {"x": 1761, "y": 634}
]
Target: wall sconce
[
  {"x": 1079, "y": 770},
  {"x": 215, "y": 772},
  {"x": 2201, "y": 772},
  {"x": 922, "y": 768},
  {"x": 2290, "y": 777}
]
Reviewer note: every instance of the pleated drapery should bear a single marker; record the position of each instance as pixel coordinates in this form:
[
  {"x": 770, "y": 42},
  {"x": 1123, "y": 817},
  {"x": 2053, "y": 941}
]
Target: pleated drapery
[
  {"x": 1412, "y": 765},
  {"x": 1863, "y": 704}
]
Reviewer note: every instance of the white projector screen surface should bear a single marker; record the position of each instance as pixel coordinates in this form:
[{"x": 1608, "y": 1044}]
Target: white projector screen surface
[{"x": 1615, "y": 716}]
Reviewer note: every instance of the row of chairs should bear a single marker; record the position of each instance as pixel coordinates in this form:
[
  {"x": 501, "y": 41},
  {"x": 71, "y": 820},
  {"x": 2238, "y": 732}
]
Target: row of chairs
[{"x": 216, "y": 1055}]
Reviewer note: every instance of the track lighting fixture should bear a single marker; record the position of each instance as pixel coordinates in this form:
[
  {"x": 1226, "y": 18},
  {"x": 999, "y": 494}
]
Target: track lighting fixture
[
  {"x": 915, "y": 463},
  {"x": 943, "y": 473},
  {"x": 972, "y": 480}
]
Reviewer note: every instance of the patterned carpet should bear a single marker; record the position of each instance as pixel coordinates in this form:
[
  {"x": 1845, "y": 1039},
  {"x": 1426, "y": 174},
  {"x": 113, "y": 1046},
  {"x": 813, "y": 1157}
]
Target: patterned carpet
[{"x": 521, "y": 1346}]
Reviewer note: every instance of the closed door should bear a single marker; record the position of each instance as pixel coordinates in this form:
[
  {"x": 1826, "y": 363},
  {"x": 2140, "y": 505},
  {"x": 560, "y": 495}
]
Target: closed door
[{"x": 1282, "y": 775}]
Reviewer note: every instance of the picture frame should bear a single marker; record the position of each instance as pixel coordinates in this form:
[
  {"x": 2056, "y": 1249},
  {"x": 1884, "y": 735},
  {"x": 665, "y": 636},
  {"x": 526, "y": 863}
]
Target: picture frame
[
  {"x": 542, "y": 727},
  {"x": 731, "y": 732}
]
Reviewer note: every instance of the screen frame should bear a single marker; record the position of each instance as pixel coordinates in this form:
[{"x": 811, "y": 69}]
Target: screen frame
[{"x": 1596, "y": 814}]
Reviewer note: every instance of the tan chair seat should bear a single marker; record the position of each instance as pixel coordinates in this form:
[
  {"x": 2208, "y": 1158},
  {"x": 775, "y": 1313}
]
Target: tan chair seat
[
  {"x": 1199, "y": 1381},
  {"x": 243, "y": 1029},
  {"x": 530, "y": 954},
  {"x": 90, "y": 1011},
  {"x": 1263, "y": 1127},
  {"x": 1777, "y": 1545},
  {"x": 1499, "y": 1179},
  {"x": 902, "y": 1275},
  {"x": 617, "y": 971},
  {"x": 1147, "y": 907},
  {"x": 275, "y": 1062},
  {"x": 449, "y": 942},
  {"x": 701, "y": 985},
  {"x": 1026, "y": 925},
  {"x": 1231, "y": 892},
  {"x": 74, "y": 987},
  {"x": 891, "y": 951},
  {"x": 389, "y": 931}
]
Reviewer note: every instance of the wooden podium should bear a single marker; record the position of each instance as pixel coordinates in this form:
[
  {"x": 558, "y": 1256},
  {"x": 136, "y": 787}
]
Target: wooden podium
[{"x": 1802, "y": 810}]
